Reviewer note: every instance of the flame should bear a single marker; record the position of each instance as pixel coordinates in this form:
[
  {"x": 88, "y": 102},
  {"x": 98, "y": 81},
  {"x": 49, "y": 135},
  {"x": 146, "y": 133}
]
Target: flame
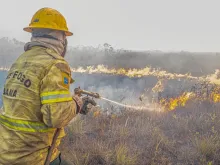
[
  {"x": 159, "y": 87},
  {"x": 173, "y": 103},
  {"x": 96, "y": 113},
  {"x": 147, "y": 71},
  {"x": 215, "y": 95},
  {"x": 4, "y": 69},
  {"x": 212, "y": 96},
  {"x": 214, "y": 78}
]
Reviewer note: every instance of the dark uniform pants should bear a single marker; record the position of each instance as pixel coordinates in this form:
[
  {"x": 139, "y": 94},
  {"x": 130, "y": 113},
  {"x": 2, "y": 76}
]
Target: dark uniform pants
[{"x": 59, "y": 161}]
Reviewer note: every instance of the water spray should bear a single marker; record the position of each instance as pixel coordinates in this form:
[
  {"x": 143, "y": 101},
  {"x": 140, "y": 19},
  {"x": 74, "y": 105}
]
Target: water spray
[
  {"x": 81, "y": 92},
  {"x": 128, "y": 106}
]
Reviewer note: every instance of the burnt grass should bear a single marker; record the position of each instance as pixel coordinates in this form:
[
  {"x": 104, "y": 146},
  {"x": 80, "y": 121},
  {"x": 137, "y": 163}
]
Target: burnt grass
[{"x": 188, "y": 135}]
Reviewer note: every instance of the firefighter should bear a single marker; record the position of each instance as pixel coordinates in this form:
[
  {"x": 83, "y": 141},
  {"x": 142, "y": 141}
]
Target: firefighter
[{"x": 37, "y": 99}]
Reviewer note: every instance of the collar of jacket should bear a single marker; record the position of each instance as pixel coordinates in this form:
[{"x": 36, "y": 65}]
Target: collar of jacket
[
  {"x": 54, "y": 54},
  {"x": 48, "y": 51}
]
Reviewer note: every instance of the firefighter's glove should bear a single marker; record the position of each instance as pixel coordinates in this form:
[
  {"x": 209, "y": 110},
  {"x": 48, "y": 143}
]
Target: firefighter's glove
[
  {"x": 79, "y": 102},
  {"x": 86, "y": 107},
  {"x": 77, "y": 91}
]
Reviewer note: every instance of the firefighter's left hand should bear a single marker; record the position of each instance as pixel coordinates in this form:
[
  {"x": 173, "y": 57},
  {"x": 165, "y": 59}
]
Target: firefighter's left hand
[{"x": 86, "y": 107}]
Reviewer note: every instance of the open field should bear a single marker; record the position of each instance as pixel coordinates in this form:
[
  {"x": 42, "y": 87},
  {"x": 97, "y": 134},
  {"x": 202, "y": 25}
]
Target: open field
[{"x": 189, "y": 135}]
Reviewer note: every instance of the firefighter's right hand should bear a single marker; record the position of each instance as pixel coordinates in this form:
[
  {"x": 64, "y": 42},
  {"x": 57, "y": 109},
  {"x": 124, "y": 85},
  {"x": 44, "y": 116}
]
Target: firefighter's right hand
[{"x": 77, "y": 91}]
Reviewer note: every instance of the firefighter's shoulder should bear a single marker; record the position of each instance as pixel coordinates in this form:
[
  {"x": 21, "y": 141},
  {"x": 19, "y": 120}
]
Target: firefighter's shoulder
[{"x": 63, "y": 66}]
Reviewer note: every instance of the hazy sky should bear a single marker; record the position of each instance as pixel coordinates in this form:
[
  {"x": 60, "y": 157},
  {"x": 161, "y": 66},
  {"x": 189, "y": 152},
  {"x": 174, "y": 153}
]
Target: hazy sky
[{"x": 192, "y": 25}]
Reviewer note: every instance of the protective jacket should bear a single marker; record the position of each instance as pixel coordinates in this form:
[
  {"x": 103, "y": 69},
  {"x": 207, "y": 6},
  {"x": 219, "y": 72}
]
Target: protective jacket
[{"x": 36, "y": 101}]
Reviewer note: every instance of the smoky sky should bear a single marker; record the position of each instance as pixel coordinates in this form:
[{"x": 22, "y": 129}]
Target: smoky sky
[{"x": 168, "y": 25}]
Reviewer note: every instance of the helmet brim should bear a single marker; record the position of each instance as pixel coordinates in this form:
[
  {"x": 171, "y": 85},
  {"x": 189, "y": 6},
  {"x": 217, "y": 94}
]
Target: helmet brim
[{"x": 29, "y": 29}]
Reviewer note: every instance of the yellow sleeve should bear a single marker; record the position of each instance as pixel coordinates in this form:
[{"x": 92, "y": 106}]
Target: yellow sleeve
[{"x": 58, "y": 107}]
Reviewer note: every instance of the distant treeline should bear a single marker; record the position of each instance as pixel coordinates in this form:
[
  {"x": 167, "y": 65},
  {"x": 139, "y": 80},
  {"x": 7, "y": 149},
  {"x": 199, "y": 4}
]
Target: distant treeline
[{"x": 176, "y": 62}]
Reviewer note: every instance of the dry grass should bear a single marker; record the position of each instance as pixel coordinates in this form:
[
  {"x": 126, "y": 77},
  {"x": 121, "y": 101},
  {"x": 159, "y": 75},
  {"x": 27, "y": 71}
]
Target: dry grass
[{"x": 187, "y": 136}]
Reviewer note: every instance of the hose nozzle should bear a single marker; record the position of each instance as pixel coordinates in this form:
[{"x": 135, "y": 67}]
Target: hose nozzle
[{"x": 79, "y": 92}]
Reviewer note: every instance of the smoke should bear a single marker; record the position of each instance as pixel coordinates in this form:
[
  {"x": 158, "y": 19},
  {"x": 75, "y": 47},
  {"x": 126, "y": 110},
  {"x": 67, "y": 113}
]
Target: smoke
[{"x": 122, "y": 75}]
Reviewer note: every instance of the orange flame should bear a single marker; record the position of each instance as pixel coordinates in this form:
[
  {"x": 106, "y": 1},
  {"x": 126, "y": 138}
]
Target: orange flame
[
  {"x": 147, "y": 71},
  {"x": 173, "y": 103},
  {"x": 212, "y": 96}
]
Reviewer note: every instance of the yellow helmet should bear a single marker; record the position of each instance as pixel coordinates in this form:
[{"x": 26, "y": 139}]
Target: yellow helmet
[{"x": 48, "y": 18}]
